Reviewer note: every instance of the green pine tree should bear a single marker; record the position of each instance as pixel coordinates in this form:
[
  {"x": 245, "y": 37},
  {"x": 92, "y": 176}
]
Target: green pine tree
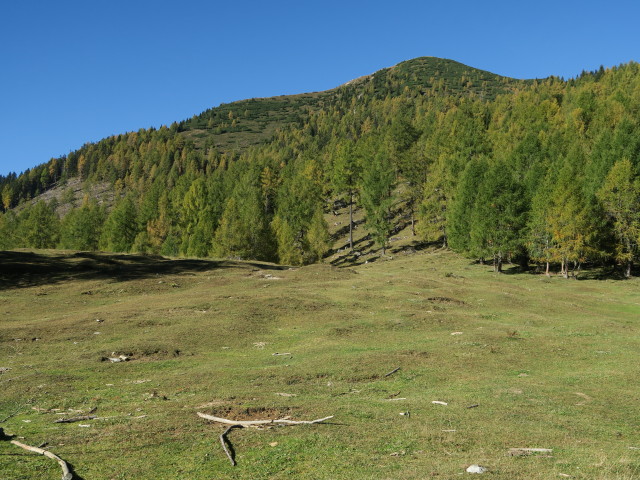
[
  {"x": 39, "y": 226},
  {"x": 620, "y": 197},
  {"x": 377, "y": 184},
  {"x": 244, "y": 228},
  {"x": 121, "y": 227}
]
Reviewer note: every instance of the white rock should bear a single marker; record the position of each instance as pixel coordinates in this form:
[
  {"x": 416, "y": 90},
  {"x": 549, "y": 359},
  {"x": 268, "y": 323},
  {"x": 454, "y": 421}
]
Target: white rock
[{"x": 476, "y": 469}]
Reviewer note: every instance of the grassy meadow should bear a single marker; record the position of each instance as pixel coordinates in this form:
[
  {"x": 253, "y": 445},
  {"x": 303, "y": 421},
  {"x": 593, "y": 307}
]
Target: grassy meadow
[{"x": 521, "y": 360}]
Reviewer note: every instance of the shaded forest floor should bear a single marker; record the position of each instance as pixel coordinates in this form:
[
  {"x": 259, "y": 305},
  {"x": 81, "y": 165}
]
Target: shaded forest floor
[{"x": 520, "y": 361}]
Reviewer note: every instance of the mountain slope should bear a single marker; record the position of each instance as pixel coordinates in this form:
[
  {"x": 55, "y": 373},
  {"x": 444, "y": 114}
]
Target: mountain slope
[
  {"x": 421, "y": 145},
  {"x": 238, "y": 125}
]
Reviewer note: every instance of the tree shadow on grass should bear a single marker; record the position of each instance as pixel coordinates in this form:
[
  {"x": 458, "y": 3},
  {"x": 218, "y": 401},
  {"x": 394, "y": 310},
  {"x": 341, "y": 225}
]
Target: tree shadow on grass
[
  {"x": 589, "y": 272},
  {"x": 20, "y": 269}
]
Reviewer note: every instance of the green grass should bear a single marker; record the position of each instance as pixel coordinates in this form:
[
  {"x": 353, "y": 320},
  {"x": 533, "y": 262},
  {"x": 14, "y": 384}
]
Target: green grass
[{"x": 550, "y": 363}]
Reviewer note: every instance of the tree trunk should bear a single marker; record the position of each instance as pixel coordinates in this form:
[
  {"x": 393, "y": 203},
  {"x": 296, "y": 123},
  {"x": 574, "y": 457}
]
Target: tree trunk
[
  {"x": 627, "y": 273},
  {"x": 547, "y": 270},
  {"x": 565, "y": 268},
  {"x": 497, "y": 263},
  {"x": 351, "y": 221},
  {"x": 413, "y": 222}
]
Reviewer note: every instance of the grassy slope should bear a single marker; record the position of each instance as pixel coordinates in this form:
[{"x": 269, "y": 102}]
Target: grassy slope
[{"x": 551, "y": 363}]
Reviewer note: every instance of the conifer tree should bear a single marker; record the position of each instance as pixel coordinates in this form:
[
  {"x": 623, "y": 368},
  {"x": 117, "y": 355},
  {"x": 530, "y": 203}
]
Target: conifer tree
[
  {"x": 8, "y": 230},
  {"x": 297, "y": 224},
  {"x": 377, "y": 184},
  {"x": 539, "y": 237},
  {"x": 620, "y": 197},
  {"x": 463, "y": 206},
  {"x": 569, "y": 221},
  {"x": 432, "y": 211},
  {"x": 158, "y": 228},
  {"x": 244, "y": 228},
  {"x": 198, "y": 227},
  {"x": 345, "y": 178},
  {"x": 81, "y": 227},
  {"x": 121, "y": 227},
  {"x": 39, "y": 226},
  {"x": 499, "y": 215},
  {"x": 8, "y": 195}
]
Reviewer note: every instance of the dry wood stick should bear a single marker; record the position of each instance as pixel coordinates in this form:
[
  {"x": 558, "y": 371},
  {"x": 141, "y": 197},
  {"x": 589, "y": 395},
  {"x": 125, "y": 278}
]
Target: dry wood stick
[
  {"x": 250, "y": 423},
  {"x": 66, "y": 473},
  {"x": 256, "y": 423},
  {"x": 223, "y": 437},
  {"x": 75, "y": 419},
  {"x": 529, "y": 451},
  {"x": 392, "y": 372}
]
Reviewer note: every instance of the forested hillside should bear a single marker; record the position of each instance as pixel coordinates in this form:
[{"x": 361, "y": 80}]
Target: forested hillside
[{"x": 544, "y": 171}]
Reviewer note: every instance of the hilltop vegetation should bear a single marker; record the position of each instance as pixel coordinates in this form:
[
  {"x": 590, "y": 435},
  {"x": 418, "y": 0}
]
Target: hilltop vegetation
[
  {"x": 495, "y": 168},
  {"x": 546, "y": 363}
]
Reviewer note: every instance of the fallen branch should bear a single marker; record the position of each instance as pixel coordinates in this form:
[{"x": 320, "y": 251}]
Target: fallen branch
[
  {"x": 250, "y": 423},
  {"x": 75, "y": 419},
  {"x": 224, "y": 440},
  {"x": 516, "y": 452},
  {"x": 66, "y": 473},
  {"x": 257, "y": 423},
  {"x": 391, "y": 372}
]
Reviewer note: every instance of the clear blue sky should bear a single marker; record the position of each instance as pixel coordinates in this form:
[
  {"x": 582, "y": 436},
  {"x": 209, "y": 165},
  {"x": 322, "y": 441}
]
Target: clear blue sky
[{"x": 73, "y": 72}]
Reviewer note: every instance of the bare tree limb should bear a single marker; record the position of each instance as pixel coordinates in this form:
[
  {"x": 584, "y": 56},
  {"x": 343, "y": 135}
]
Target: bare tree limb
[
  {"x": 250, "y": 423},
  {"x": 224, "y": 440},
  {"x": 75, "y": 419},
  {"x": 391, "y": 372},
  {"x": 528, "y": 451},
  {"x": 257, "y": 423},
  {"x": 66, "y": 473}
]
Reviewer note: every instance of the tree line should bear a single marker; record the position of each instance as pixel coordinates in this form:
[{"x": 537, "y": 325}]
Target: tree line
[{"x": 548, "y": 172}]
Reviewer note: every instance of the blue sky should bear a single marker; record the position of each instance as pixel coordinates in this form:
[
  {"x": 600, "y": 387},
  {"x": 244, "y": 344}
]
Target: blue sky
[{"x": 73, "y": 72}]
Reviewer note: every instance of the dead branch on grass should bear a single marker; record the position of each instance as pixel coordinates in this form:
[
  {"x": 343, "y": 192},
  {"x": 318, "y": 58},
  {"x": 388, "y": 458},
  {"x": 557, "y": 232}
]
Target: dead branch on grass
[
  {"x": 517, "y": 452},
  {"x": 259, "y": 423},
  {"x": 66, "y": 473},
  {"x": 391, "y": 372},
  {"x": 224, "y": 440},
  {"x": 75, "y": 419},
  {"x": 248, "y": 424}
]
